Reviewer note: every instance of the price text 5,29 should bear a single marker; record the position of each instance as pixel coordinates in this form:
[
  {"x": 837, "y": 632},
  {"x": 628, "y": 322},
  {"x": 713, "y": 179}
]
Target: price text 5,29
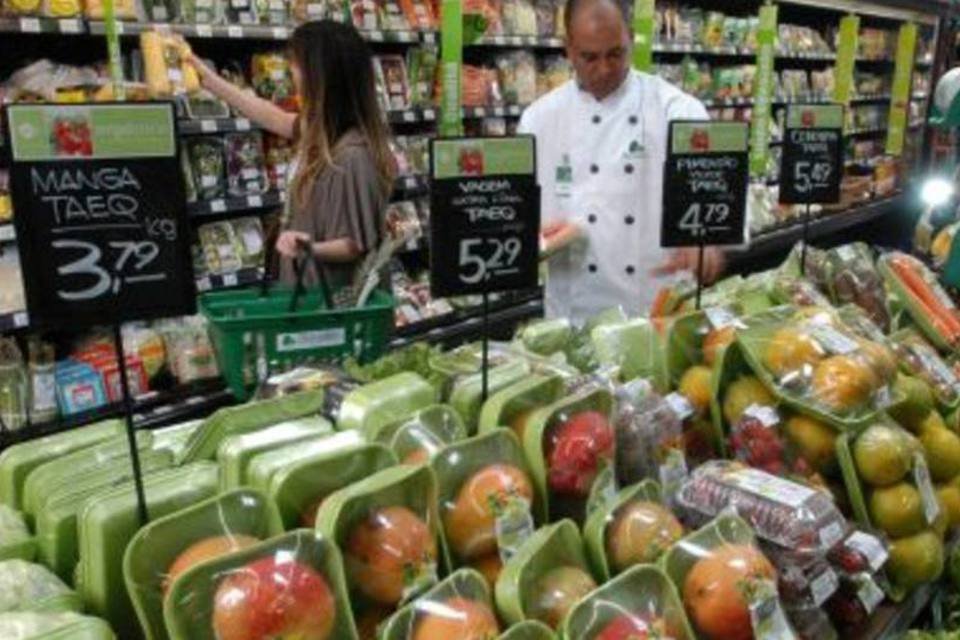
[
  {"x": 97, "y": 274},
  {"x": 482, "y": 258}
]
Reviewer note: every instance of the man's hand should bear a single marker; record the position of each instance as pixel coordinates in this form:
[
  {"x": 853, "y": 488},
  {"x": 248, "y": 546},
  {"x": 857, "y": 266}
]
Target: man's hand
[
  {"x": 714, "y": 262},
  {"x": 556, "y": 236},
  {"x": 289, "y": 243}
]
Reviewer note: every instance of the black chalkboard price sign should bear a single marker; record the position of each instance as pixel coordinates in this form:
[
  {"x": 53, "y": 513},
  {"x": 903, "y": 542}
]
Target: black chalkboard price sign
[
  {"x": 484, "y": 215},
  {"x": 100, "y": 219},
  {"x": 812, "y": 164},
  {"x": 705, "y": 184}
]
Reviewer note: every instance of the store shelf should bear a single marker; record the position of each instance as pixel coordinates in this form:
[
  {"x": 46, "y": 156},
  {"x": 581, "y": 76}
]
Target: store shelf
[
  {"x": 412, "y": 115},
  {"x": 864, "y": 132},
  {"x": 7, "y": 233},
  {"x": 67, "y": 26},
  {"x": 213, "y": 282},
  {"x": 214, "y": 125},
  {"x": 15, "y": 320},
  {"x": 151, "y": 409},
  {"x": 247, "y": 32},
  {"x": 503, "y": 111},
  {"x": 467, "y": 324},
  {"x": 519, "y": 41},
  {"x": 245, "y": 204},
  {"x": 781, "y": 239}
]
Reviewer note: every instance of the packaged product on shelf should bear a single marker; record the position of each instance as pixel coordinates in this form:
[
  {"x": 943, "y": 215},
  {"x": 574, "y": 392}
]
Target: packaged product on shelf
[
  {"x": 785, "y": 513},
  {"x": 32, "y": 587},
  {"x": 547, "y": 14},
  {"x": 246, "y": 172},
  {"x": 393, "y": 72},
  {"x": 477, "y": 87},
  {"x": 856, "y": 599},
  {"x": 634, "y": 527},
  {"x": 552, "y": 71},
  {"x": 241, "y": 12},
  {"x": 122, "y": 9},
  {"x": 922, "y": 361},
  {"x": 392, "y": 17},
  {"x": 206, "y": 164},
  {"x": 420, "y": 14},
  {"x": 518, "y": 77},
  {"x": 307, "y": 10},
  {"x": 21, "y": 7},
  {"x": 274, "y": 12},
  {"x": 278, "y": 158},
  {"x": 271, "y": 78},
  {"x": 14, "y": 386},
  {"x": 364, "y": 14},
  {"x": 723, "y": 577},
  {"x": 858, "y": 553},
  {"x": 61, "y": 8},
  {"x": 918, "y": 289},
  {"x": 805, "y": 584},
  {"x": 220, "y": 247},
  {"x": 458, "y": 607},
  {"x": 519, "y": 17},
  {"x": 79, "y": 388},
  {"x": 248, "y": 235},
  {"x": 556, "y": 575},
  {"x": 649, "y": 437},
  {"x": 488, "y": 507},
  {"x": 422, "y": 65},
  {"x": 192, "y": 356},
  {"x": 167, "y": 69},
  {"x": 387, "y": 526},
  {"x": 6, "y": 203},
  {"x": 12, "y": 297},
  {"x": 169, "y": 547}
]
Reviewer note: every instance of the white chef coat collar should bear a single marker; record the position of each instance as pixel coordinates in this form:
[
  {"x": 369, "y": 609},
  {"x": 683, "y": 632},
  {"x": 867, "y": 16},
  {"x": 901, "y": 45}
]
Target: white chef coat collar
[{"x": 612, "y": 99}]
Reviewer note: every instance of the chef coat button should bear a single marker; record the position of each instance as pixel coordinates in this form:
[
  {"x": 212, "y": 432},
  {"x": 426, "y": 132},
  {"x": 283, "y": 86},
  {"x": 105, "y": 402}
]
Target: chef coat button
[
  {"x": 596, "y": 119},
  {"x": 591, "y": 218},
  {"x": 630, "y": 270},
  {"x": 629, "y": 219},
  {"x": 632, "y": 119},
  {"x": 592, "y": 268},
  {"x": 594, "y": 168},
  {"x": 628, "y": 168}
]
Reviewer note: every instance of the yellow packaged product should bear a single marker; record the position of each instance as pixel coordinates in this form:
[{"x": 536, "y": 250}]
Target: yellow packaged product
[
  {"x": 166, "y": 65},
  {"x": 122, "y": 9},
  {"x": 61, "y": 8},
  {"x": 21, "y": 7}
]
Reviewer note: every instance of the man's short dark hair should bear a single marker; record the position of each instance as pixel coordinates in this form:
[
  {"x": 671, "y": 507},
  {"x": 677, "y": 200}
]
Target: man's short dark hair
[{"x": 573, "y": 6}]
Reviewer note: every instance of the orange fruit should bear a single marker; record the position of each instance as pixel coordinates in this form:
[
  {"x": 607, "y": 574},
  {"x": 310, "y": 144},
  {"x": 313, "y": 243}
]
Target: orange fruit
[
  {"x": 457, "y": 619},
  {"x": 842, "y": 383},
  {"x": 204, "y": 550},
  {"x": 716, "y": 341}
]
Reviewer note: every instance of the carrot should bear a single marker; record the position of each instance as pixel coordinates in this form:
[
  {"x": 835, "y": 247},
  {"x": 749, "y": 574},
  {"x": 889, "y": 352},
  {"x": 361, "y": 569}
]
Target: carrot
[
  {"x": 939, "y": 315},
  {"x": 659, "y": 307}
]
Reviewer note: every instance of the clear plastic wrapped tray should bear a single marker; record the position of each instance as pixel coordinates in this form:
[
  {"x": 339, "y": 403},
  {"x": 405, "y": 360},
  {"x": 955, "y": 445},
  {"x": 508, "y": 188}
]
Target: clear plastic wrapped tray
[{"x": 783, "y": 512}]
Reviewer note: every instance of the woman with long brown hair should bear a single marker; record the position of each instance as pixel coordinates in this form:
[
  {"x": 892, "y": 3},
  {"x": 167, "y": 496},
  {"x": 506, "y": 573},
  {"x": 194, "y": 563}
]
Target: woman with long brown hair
[{"x": 344, "y": 169}]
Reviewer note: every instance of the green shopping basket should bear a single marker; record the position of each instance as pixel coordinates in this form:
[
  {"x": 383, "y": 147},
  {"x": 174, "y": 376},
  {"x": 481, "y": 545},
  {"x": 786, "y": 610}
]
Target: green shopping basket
[{"x": 252, "y": 327}]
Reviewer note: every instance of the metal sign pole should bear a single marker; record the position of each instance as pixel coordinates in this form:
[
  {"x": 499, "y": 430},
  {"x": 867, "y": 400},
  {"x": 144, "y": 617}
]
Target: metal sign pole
[{"x": 131, "y": 432}]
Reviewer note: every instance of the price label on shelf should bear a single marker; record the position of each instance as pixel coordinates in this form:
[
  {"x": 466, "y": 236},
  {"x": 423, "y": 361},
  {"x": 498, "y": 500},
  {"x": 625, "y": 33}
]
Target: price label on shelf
[
  {"x": 812, "y": 159},
  {"x": 103, "y": 230},
  {"x": 705, "y": 184},
  {"x": 234, "y": 31},
  {"x": 204, "y": 31},
  {"x": 30, "y": 25},
  {"x": 485, "y": 206}
]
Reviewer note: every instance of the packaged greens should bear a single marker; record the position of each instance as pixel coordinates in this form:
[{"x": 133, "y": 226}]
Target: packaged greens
[
  {"x": 169, "y": 547},
  {"x": 567, "y": 444},
  {"x": 467, "y": 393},
  {"x": 251, "y": 416},
  {"x": 288, "y": 586},
  {"x": 29, "y": 625},
  {"x": 640, "y": 603},
  {"x": 206, "y": 166},
  {"x": 458, "y": 607},
  {"x": 219, "y": 248},
  {"x": 15, "y": 538},
  {"x": 723, "y": 578},
  {"x": 246, "y": 170},
  {"x": 487, "y": 500},
  {"x": 31, "y": 587},
  {"x": 374, "y": 405},
  {"x": 235, "y": 452},
  {"x": 635, "y": 347},
  {"x": 18, "y": 460},
  {"x": 174, "y": 438},
  {"x": 110, "y": 519},
  {"x": 301, "y": 486},
  {"x": 546, "y": 337},
  {"x": 785, "y": 513},
  {"x": 546, "y": 577},
  {"x": 387, "y": 527},
  {"x": 419, "y": 437},
  {"x": 264, "y": 465},
  {"x": 248, "y": 234},
  {"x": 634, "y": 528}
]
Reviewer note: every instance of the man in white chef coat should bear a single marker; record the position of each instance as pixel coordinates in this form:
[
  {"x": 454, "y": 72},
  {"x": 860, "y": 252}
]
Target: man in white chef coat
[{"x": 601, "y": 145}]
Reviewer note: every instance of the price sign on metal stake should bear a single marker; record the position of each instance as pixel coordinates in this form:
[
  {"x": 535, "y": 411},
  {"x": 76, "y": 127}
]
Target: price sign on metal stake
[
  {"x": 812, "y": 165},
  {"x": 100, "y": 221},
  {"x": 705, "y": 184},
  {"x": 485, "y": 216}
]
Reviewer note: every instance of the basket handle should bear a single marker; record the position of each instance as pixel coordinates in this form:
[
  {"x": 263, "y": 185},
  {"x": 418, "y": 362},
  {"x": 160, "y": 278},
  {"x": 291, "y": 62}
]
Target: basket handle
[{"x": 300, "y": 269}]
